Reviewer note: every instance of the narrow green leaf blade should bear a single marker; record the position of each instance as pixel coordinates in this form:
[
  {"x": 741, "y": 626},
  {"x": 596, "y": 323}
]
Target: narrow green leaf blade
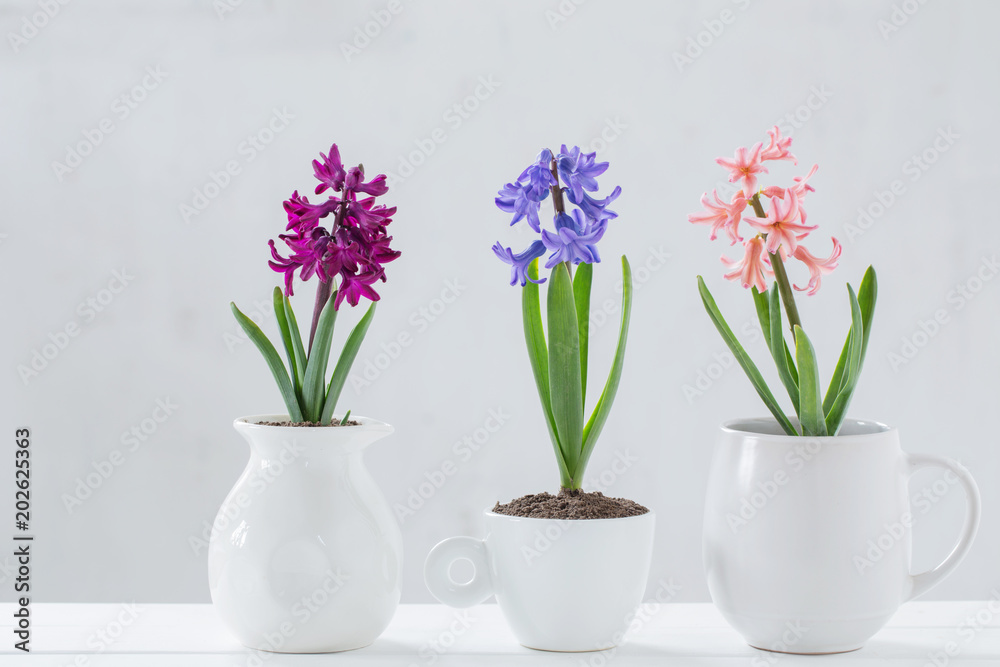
[
  {"x": 343, "y": 368},
  {"x": 810, "y": 406},
  {"x": 855, "y": 358},
  {"x": 286, "y": 337},
  {"x": 595, "y": 424},
  {"x": 314, "y": 382},
  {"x": 564, "y": 368},
  {"x": 752, "y": 373},
  {"x": 867, "y": 295},
  {"x": 273, "y": 362},
  {"x": 763, "y": 308},
  {"x": 581, "y": 294},
  {"x": 534, "y": 337},
  {"x": 297, "y": 346},
  {"x": 779, "y": 350}
]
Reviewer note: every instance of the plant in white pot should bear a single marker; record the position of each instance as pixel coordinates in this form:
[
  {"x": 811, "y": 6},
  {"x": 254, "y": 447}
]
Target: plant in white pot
[
  {"x": 579, "y": 589},
  {"x": 310, "y": 556},
  {"x": 795, "y": 503}
]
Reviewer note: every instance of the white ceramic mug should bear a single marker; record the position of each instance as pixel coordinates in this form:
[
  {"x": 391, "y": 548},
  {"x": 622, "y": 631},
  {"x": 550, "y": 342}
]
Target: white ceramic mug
[
  {"x": 807, "y": 540},
  {"x": 562, "y": 585}
]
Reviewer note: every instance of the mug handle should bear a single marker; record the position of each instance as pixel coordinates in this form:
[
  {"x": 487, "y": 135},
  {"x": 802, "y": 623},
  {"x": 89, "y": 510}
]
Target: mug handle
[
  {"x": 924, "y": 581},
  {"x": 437, "y": 572}
]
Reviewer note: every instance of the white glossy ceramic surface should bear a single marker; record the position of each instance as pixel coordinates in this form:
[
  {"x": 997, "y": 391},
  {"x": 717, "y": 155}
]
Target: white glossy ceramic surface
[
  {"x": 807, "y": 540},
  {"x": 561, "y": 585},
  {"x": 305, "y": 555}
]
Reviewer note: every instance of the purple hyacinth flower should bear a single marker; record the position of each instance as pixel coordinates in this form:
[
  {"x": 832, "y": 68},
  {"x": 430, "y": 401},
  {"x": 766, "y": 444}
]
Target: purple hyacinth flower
[
  {"x": 538, "y": 176},
  {"x": 596, "y": 209},
  {"x": 330, "y": 172},
  {"x": 519, "y": 262},
  {"x": 579, "y": 171},
  {"x": 516, "y": 199},
  {"x": 574, "y": 239}
]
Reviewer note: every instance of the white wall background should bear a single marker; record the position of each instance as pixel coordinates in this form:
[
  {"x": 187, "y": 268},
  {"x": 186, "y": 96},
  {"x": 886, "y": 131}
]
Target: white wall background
[{"x": 165, "y": 336}]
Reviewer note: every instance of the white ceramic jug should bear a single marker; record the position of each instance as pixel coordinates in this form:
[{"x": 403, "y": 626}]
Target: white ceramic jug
[{"x": 305, "y": 555}]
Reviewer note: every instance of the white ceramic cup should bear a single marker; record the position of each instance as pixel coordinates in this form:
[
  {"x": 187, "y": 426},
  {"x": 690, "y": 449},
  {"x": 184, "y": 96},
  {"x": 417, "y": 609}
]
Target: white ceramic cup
[
  {"x": 807, "y": 541},
  {"x": 562, "y": 585}
]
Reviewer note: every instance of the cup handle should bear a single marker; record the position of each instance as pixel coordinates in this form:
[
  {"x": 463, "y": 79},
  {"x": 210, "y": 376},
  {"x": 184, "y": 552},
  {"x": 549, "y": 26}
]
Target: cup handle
[
  {"x": 923, "y": 582},
  {"x": 437, "y": 572}
]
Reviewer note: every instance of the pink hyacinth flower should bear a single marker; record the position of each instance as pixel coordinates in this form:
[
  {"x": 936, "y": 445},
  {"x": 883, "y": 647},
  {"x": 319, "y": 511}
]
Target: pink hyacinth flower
[
  {"x": 777, "y": 149},
  {"x": 720, "y": 215},
  {"x": 749, "y": 270},
  {"x": 817, "y": 267},
  {"x": 745, "y": 165},
  {"x": 781, "y": 224}
]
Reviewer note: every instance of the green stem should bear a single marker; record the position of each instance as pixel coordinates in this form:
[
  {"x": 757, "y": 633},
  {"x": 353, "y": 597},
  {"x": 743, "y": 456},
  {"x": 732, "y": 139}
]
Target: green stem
[{"x": 780, "y": 276}]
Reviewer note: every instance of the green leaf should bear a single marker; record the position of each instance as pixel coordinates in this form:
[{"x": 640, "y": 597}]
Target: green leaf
[
  {"x": 273, "y": 362},
  {"x": 344, "y": 363},
  {"x": 810, "y": 406},
  {"x": 760, "y": 302},
  {"x": 300, "y": 350},
  {"x": 314, "y": 383},
  {"x": 564, "y": 368},
  {"x": 855, "y": 357},
  {"x": 347, "y": 418},
  {"x": 286, "y": 337},
  {"x": 603, "y": 408},
  {"x": 867, "y": 295},
  {"x": 534, "y": 337},
  {"x": 752, "y": 373},
  {"x": 779, "y": 350},
  {"x": 581, "y": 295}
]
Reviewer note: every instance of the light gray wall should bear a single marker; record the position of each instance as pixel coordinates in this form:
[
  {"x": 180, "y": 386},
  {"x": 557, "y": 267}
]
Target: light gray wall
[{"x": 609, "y": 68}]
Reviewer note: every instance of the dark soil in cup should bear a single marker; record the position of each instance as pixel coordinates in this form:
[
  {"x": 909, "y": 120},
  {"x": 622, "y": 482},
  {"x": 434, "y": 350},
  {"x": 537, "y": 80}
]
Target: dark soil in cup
[
  {"x": 351, "y": 422},
  {"x": 568, "y": 504}
]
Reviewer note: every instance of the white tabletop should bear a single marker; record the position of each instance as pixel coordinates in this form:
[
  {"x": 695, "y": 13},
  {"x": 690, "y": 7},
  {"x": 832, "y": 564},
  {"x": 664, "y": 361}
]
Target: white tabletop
[{"x": 192, "y": 635}]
